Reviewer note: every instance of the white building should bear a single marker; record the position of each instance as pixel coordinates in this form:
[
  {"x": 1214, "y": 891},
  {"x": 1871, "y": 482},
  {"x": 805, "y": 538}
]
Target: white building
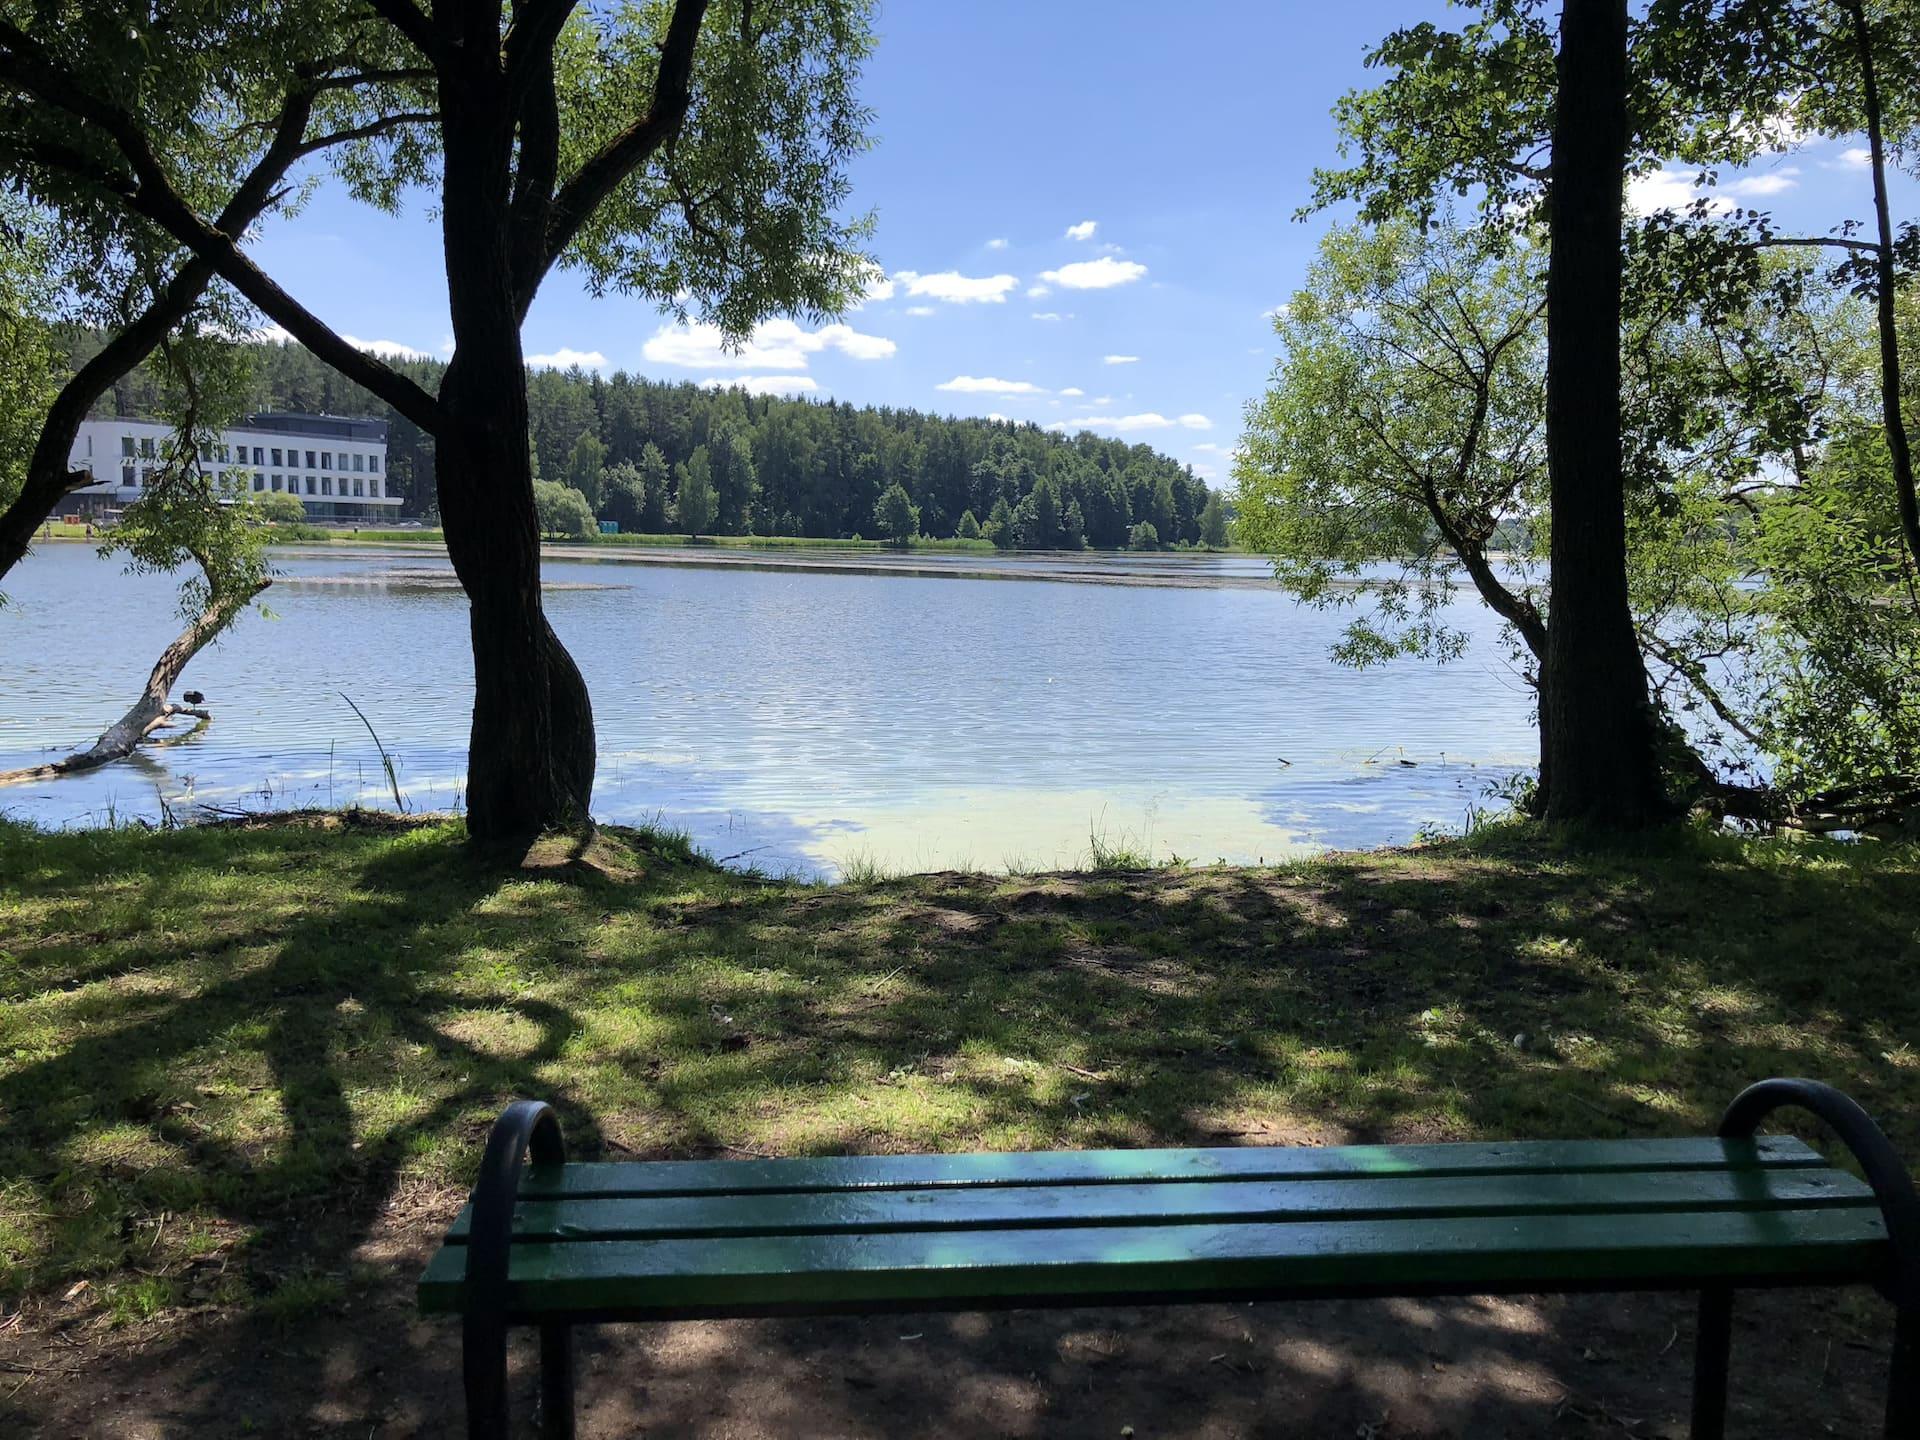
[{"x": 336, "y": 465}]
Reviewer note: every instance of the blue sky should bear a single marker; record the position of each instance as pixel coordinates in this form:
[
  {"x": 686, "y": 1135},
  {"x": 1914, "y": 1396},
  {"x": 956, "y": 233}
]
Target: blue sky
[{"x": 1084, "y": 213}]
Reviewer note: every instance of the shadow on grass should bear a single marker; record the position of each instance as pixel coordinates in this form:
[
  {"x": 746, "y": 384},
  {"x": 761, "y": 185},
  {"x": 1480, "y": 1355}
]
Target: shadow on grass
[{"x": 268, "y": 1036}]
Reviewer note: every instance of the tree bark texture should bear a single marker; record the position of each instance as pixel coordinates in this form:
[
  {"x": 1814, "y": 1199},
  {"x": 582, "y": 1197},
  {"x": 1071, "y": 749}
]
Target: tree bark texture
[{"x": 1599, "y": 764}]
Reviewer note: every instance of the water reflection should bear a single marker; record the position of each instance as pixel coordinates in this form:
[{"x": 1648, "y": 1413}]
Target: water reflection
[{"x": 798, "y": 721}]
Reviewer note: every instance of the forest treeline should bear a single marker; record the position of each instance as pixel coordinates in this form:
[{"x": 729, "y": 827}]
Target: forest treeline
[{"x": 769, "y": 465}]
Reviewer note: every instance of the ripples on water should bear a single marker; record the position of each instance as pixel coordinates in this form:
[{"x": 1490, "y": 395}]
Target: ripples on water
[{"x": 796, "y": 721}]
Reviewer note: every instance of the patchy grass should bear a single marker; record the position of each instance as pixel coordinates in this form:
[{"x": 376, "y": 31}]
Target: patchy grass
[{"x": 225, "y": 1051}]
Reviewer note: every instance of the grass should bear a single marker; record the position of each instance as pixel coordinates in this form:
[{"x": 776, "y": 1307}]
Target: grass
[{"x": 225, "y": 1052}]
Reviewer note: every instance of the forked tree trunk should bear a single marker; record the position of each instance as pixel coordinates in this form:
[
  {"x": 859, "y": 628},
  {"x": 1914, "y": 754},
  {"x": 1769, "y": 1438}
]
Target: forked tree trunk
[
  {"x": 530, "y": 758},
  {"x": 154, "y": 707},
  {"x": 1598, "y": 762}
]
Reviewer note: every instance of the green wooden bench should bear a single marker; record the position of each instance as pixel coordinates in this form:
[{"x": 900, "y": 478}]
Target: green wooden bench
[{"x": 562, "y": 1244}]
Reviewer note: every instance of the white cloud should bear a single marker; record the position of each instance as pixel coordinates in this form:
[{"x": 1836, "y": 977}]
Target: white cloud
[
  {"x": 999, "y": 242},
  {"x": 1037, "y": 292},
  {"x": 778, "y": 344},
  {"x": 1677, "y": 190},
  {"x": 1278, "y": 312},
  {"x": 996, "y": 415},
  {"x": 990, "y": 385},
  {"x": 957, "y": 289},
  {"x": 1124, "y": 424},
  {"x": 385, "y": 349},
  {"x": 879, "y": 287},
  {"x": 762, "y": 384},
  {"x": 1212, "y": 448},
  {"x": 271, "y": 335},
  {"x": 1856, "y": 157},
  {"x": 1101, "y": 274},
  {"x": 1048, "y": 315},
  {"x": 565, "y": 359},
  {"x": 1103, "y": 399},
  {"x": 921, "y": 310},
  {"x": 1195, "y": 421},
  {"x": 1073, "y": 390},
  {"x": 1774, "y": 182},
  {"x": 1083, "y": 231},
  {"x": 1119, "y": 359}
]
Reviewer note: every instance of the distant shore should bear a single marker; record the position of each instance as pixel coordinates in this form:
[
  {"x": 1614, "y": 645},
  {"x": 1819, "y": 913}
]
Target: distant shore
[{"x": 1177, "y": 569}]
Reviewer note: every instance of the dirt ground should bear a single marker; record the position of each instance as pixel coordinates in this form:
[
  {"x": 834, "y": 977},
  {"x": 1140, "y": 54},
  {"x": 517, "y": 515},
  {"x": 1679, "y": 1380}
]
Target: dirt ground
[{"x": 366, "y": 1367}]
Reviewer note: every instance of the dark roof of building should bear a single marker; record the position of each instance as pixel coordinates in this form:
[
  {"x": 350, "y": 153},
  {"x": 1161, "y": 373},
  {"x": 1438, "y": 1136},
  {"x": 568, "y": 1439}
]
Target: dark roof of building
[{"x": 339, "y": 427}]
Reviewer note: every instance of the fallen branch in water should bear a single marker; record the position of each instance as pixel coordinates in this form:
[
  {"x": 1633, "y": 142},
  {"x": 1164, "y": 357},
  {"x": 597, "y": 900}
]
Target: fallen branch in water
[{"x": 153, "y": 709}]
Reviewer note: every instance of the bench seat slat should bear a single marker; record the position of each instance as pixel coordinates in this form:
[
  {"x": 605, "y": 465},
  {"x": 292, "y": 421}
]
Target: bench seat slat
[
  {"x": 1412, "y": 1196},
  {"x": 1108, "y": 1167},
  {"x": 664, "y": 1278}
]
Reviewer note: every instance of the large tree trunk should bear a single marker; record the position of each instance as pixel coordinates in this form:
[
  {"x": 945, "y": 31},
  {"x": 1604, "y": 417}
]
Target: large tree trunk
[
  {"x": 154, "y": 708},
  {"x": 1598, "y": 762},
  {"x": 530, "y": 756}
]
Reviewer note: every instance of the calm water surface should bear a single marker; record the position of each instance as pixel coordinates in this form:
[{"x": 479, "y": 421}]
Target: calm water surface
[{"x": 794, "y": 721}]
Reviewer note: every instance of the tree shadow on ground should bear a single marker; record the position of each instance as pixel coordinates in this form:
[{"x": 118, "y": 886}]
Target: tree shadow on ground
[{"x": 1381, "y": 998}]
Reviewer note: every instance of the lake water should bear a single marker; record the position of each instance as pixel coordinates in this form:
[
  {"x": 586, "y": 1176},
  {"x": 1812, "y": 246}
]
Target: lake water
[{"x": 796, "y": 720}]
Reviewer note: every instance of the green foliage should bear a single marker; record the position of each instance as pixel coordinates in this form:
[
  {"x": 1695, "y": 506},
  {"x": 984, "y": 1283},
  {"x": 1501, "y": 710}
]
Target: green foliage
[
  {"x": 1213, "y": 522},
  {"x": 897, "y": 516},
  {"x": 969, "y": 528},
  {"x": 277, "y": 507},
  {"x": 30, "y": 361},
  {"x": 694, "y": 505},
  {"x": 730, "y": 465},
  {"x": 765, "y": 148},
  {"x": 1840, "y": 647},
  {"x": 584, "y": 465},
  {"x": 1402, "y": 431},
  {"x": 562, "y": 510},
  {"x": 1144, "y": 537},
  {"x": 999, "y": 527}
]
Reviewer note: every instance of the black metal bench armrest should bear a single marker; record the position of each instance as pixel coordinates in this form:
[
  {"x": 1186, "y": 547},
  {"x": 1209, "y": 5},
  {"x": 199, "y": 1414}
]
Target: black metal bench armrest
[
  {"x": 1879, "y": 1162},
  {"x": 1899, "y": 1208},
  {"x": 524, "y": 1127}
]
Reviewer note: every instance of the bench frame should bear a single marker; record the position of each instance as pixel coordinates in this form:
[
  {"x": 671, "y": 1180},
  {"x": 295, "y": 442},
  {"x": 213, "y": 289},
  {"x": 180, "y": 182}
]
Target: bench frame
[{"x": 530, "y": 1128}]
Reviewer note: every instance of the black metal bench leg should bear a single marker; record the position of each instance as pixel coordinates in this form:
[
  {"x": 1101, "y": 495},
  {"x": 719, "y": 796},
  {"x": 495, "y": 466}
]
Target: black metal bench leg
[
  {"x": 1903, "y": 1383},
  {"x": 1711, "y": 1350},
  {"x": 556, "y": 1382},
  {"x": 483, "y": 1365}
]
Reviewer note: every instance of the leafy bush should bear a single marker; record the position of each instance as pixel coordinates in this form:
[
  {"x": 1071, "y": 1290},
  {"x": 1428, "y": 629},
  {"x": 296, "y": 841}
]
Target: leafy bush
[{"x": 562, "y": 510}]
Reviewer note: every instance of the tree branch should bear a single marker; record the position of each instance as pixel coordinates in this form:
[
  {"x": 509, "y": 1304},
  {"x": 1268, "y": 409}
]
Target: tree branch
[
  {"x": 155, "y": 197},
  {"x": 410, "y": 21},
  {"x": 596, "y": 179},
  {"x": 382, "y": 126}
]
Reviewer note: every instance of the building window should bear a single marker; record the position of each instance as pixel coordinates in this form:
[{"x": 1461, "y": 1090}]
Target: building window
[
  {"x": 373, "y": 463},
  {"x": 259, "y": 456},
  {"x": 359, "y": 462},
  {"x": 326, "y": 484},
  {"x": 126, "y": 446},
  {"x": 276, "y": 458},
  {"x": 146, "y": 447},
  {"x": 356, "y": 488},
  {"x": 126, "y": 477},
  {"x": 309, "y": 484},
  {"x": 146, "y": 477},
  {"x": 260, "y": 484},
  {"x": 310, "y": 460},
  {"x": 326, "y": 459},
  {"x": 276, "y": 482}
]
